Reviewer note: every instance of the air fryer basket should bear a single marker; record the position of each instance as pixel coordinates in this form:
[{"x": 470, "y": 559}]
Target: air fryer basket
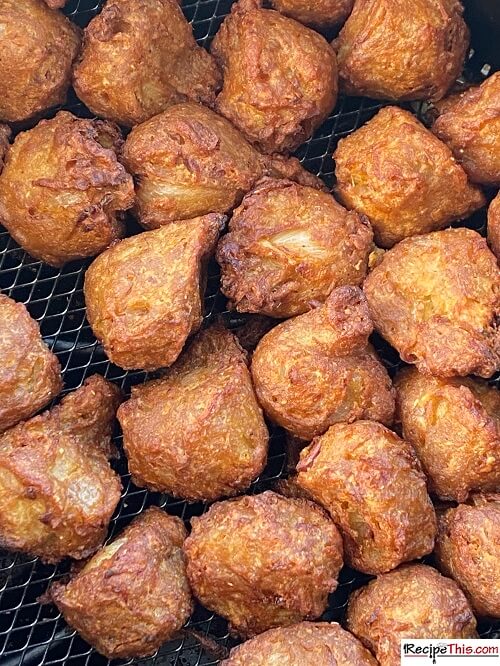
[{"x": 32, "y": 634}]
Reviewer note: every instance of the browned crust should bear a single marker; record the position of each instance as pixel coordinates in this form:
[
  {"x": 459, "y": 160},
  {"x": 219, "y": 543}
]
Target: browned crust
[
  {"x": 321, "y": 15},
  {"x": 494, "y": 226}
]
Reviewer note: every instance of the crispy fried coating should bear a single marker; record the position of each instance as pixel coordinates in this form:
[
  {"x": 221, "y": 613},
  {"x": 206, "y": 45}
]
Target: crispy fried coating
[
  {"x": 264, "y": 561},
  {"x": 133, "y": 595},
  {"x": 55, "y": 4},
  {"x": 5, "y": 134},
  {"x": 57, "y": 490},
  {"x": 398, "y": 174},
  {"x": 318, "y": 368},
  {"x": 494, "y": 226},
  {"x": 470, "y": 124},
  {"x": 435, "y": 298},
  {"x": 288, "y": 247},
  {"x": 198, "y": 432},
  {"x": 280, "y": 78},
  {"x": 321, "y": 15},
  {"x": 37, "y": 48},
  {"x": 63, "y": 190},
  {"x": 303, "y": 644},
  {"x": 405, "y": 50},
  {"x": 30, "y": 374},
  {"x": 144, "y": 295}
]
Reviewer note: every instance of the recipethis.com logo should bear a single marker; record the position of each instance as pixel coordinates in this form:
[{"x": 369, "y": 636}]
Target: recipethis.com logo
[{"x": 450, "y": 651}]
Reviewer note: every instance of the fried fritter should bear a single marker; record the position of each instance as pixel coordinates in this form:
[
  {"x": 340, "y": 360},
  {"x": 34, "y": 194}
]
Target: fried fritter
[
  {"x": 37, "y": 48},
  {"x": 454, "y": 426},
  {"x": 398, "y": 174},
  {"x": 288, "y": 247},
  {"x": 435, "y": 298},
  {"x": 468, "y": 550},
  {"x": 494, "y": 226},
  {"x": 63, "y": 190},
  {"x": 321, "y": 15},
  {"x": 57, "y": 490},
  {"x": 30, "y": 374},
  {"x": 303, "y": 644},
  {"x": 414, "y": 601},
  {"x": 264, "y": 561},
  {"x": 280, "y": 78},
  {"x": 5, "y": 134},
  {"x": 133, "y": 595},
  {"x": 470, "y": 124},
  {"x": 318, "y": 368},
  {"x": 140, "y": 56},
  {"x": 198, "y": 432},
  {"x": 144, "y": 295},
  {"x": 405, "y": 50}
]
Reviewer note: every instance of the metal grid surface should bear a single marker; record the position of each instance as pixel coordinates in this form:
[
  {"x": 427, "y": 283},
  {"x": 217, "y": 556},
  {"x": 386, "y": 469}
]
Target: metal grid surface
[{"x": 32, "y": 634}]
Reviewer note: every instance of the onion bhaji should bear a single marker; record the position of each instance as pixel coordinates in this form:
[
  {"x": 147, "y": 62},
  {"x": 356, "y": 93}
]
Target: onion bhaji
[
  {"x": 133, "y": 595},
  {"x": 5, "y": 134},
  {"x": 321, "y": 15},
  {"x": 414, "y": 601},
  {"x": 57, "y": 490},
  {"x": 144, "y": 295},
  {"x": 63, "y": 190},
  {"x": 280, "y": 77},
  {"x": 470, "y": 124},
  {"x": 405, "y": 50},
  {"x": 494, "y": 226},
  {"x": 140, "y": 56},
  {"x": 37, "y": 48},
  {"x": 303, "y": 644},
  {"x": 318, "y": 368},
  {"x": 198, "y": 432},
  {"x": 288, "y": 247},
  {"x": 404, "y": 179},
  {"x": 436, "y": 299},
  {"x": 264, "y": 561},
  {"x": 454, "y": 427},
  {"x": 30, "y": 374}
]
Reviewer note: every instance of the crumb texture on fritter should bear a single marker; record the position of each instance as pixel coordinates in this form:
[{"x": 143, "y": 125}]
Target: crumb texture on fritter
[
  {"x": 494, "y": 226},
  {"x": 321, "y": 15}
]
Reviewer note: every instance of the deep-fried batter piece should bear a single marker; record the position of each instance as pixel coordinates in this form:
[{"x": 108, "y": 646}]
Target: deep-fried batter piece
[
  {"x": 280, "y": 78},
  {"x": 264, "y": 561},
  {"x": 5, "y": 134},
  {"x": 140, "y": 56},
  {"x": 198, "y": 432},
  {"x": 57, "y": 490},
  {"x": 435, "y": 298},
  {"x": 414, "y": 601},
  {"x": 454, "y": 426},
  {"x": 371, "y": 483},
  {"x": 470, "y": 124},
  {"x": 303, "y": 644},
  {"x": 321, "y": 15},
  {"x": 318, "y": 368},
  {"x": 404, "y": 50},
  {"x": 494, "y": 226},
  {"x": 288, "y": 247},
  {"x": 468, "y": 550},
  {"x": 144, "y": 295},
  {"x": 63, "y": 190},
  {"x": 30, "y": 374},
  {"x": 133, "y": 595},
  {"x": 398, "y": 174},
  {"x": 37, "y": 48},
  {"x": 55, "y": 4}
]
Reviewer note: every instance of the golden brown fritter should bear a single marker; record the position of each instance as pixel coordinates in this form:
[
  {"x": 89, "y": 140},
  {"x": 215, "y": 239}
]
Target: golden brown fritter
[
  {"x": 454, "y": 426},
  {"x": 198, "y": 432},
  {"x": 5, "y": 134},
  {"x": 63, "y": 190},
  {"x": 435, "y": 298},
  {"x": 318, "y": 368},
  {"x": 405, "y": 50},
  {"x": 468, "y": 550},
  {"x": 280, "y": 78},
  {"x": 55, "y": 4},
  {"x": 321, "y": 15},
  {"x": 37, "y": 48},
  {"x": 57, "y": 490},
  {"x": 303, "y": 644},
  {"x": 30, "y": 374},
  {"x": 288, "y": 247},
  {"x": 398, "y": 174},
  {"x": 264, "y": 561},
  {"x": 140, "y": 56},
  {"x": 494, "y": 226},
  {"x": 144, "y": 295},
  {"x": 133, "y": 595},
  {"x": 414, "y": 601},
  {"x": 470, "y": 124}
]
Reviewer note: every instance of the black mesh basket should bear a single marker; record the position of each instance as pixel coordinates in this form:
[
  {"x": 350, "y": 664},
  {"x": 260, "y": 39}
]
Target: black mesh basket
[{"x": 31, "y": 633}]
